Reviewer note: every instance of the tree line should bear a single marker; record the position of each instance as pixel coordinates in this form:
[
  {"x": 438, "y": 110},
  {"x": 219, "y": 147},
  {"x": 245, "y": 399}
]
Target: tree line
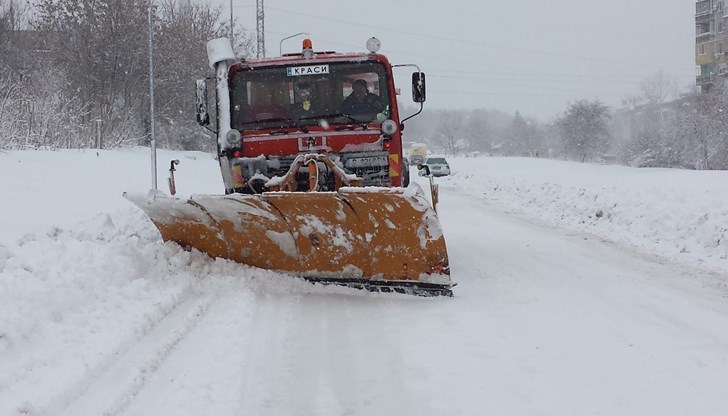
[
  {"x": 75, "y": 70},
  {"x": 658, "y": 127}
]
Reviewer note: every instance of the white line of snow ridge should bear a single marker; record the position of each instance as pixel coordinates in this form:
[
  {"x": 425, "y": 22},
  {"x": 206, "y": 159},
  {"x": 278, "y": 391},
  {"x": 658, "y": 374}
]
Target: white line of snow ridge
[{"x": 114, "y": 385}]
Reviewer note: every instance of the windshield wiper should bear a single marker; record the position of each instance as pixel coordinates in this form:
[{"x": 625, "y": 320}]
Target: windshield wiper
[
  {"x": 332, "y": 115},
  {"x": 288, "y": 121},
  {"x": 280, "y": 122}
]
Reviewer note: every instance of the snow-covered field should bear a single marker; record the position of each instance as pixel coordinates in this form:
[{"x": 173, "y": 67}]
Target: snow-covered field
[{"x": 582, "y": 289}]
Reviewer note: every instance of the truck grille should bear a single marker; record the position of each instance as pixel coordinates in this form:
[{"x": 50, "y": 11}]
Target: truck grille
[{"x": 372, "y": 167}]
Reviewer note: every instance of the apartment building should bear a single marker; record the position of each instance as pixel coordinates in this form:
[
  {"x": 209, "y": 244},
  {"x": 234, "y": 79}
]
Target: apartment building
[{"x": 711, "y": 42}]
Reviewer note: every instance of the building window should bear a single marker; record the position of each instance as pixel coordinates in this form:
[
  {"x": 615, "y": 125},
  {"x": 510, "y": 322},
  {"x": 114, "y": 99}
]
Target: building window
[
  {"x": 701, "y": 50},
  {"x": 706, "y": 70},
  {"x": 702, "y": 7}
]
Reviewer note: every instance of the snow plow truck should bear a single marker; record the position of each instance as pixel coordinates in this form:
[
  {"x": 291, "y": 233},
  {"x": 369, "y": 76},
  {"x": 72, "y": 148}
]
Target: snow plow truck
[{"x": 310, "y": 151}]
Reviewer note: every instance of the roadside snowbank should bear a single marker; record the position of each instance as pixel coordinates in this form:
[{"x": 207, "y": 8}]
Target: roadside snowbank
[{"x": 678, "y": 214}]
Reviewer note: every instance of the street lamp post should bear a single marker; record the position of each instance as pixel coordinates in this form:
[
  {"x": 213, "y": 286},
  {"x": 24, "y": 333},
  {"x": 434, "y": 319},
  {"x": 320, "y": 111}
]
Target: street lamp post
[
  {"x": 150, "y": 29},
  {"x": 280, "y": 47}
]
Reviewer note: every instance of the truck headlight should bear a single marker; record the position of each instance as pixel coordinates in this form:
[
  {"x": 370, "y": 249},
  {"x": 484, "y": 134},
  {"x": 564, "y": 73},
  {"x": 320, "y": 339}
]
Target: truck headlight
[
  {"x": 232, "y": 137},
  {"x": 389, "y": 127}
]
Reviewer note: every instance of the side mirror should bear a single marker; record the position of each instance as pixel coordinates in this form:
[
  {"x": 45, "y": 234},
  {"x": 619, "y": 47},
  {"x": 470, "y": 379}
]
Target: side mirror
[
  {"x": 203, "y": 117},
  {"x": 418, "y": 87},
  {"x": 424, "y": 169}
]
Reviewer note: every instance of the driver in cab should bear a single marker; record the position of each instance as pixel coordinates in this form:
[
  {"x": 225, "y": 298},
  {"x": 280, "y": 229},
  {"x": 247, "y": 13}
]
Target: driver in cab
[{"x": 361, "y": 101}]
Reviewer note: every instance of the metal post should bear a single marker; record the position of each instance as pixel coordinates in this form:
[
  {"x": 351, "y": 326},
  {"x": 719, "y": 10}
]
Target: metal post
[
  {"x": 280, "y": 46},
  {"x": 99, "y": 144},
  {"x": 260, "y": 20},
  {"x": 151, "y": 97},
  {"x": 232, "y": 32}
]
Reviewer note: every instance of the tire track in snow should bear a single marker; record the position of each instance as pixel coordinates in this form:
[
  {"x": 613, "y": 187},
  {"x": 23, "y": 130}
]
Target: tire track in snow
[
  {"x": 332, "y": 353},
  {"x": 205, "y": 371},
  {"x": 113, "y": 385},
  {"x": 266, "y": 380}
]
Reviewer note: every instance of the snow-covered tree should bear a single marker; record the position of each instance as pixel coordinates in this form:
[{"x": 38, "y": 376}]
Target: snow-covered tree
[
  {"x": 99, "y": 49},
  {"x": 183, "y": 31},
  {"x": 479, "y": 131},
  {"x": 584, "y": 129},
  {"x": 523, "y": 137},
  {"x": 14, "y": 73},
  {"x": 515, "y": 144},
  {"x": 643, "y": 130},
  {"x": 702, "y": 126}
]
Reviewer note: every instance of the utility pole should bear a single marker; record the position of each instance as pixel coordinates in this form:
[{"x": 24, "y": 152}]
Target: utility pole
[
  {"x": 260, "y": 20},
  {"x": 151, "y": 95},
  {"x": 232, "y": 32}
]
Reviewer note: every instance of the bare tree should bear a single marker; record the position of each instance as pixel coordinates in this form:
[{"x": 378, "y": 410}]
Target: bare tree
[
  {"x": 655, "y": 89},
  {"x": 14, "y": 72},
  {"x": 659, "y": 88},
  {"x": 450, "y": 131},
  {"x": 182, "y": 33},
  {"x": 100, "y": 48},
  {"x": 584, "y": 128},
  {"x": 702, "y": 127}
]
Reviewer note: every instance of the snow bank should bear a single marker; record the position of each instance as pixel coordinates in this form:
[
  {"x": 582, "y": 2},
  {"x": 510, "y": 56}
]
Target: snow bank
[{"x": 674, "y": 213}]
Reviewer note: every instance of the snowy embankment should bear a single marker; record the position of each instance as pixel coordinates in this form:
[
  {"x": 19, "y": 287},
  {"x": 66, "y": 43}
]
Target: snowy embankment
[
  {"x": 679, "y": 214},
  {"x": 84, "y": 275}
]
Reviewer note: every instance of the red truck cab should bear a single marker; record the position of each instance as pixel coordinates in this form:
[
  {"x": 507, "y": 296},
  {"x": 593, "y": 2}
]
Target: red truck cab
[{"x": 343, "y": 105}]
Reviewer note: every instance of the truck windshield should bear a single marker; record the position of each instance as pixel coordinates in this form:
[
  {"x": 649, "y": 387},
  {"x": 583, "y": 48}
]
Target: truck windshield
[{"x": 307, "y": 93}]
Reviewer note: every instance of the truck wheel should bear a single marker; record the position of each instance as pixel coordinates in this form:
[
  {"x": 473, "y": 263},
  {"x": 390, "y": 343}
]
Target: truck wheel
[{"x": 405, "y": 175}]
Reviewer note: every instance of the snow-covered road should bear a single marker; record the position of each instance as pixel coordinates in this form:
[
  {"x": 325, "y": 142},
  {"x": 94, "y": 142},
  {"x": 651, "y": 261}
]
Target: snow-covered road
[
  {"x": 544, "y": 322},
  {"x": 560, "y": 323}
]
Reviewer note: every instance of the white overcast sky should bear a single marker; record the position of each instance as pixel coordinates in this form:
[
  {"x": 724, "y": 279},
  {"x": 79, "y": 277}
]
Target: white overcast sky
[{"x": 535, "y": 56}]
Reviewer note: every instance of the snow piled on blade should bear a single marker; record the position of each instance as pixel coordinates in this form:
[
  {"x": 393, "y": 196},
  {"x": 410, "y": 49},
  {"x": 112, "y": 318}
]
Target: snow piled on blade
[
  {"x": 339, "y": 237},
  {"x": 285, "y": 241},
  {"x": 429, "y": 229}
]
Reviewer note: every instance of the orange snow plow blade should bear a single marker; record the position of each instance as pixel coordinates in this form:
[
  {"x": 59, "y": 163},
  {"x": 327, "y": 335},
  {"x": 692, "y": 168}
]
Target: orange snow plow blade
[{"x": 381, "y": 239}]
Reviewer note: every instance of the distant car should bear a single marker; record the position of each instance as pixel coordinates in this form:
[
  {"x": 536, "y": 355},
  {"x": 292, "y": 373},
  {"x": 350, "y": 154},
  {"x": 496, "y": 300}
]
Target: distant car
[
  {"x": 438, "y": 166},
  {"x": 417, "y": 160},
  {"x": 418, "y": 153}
]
